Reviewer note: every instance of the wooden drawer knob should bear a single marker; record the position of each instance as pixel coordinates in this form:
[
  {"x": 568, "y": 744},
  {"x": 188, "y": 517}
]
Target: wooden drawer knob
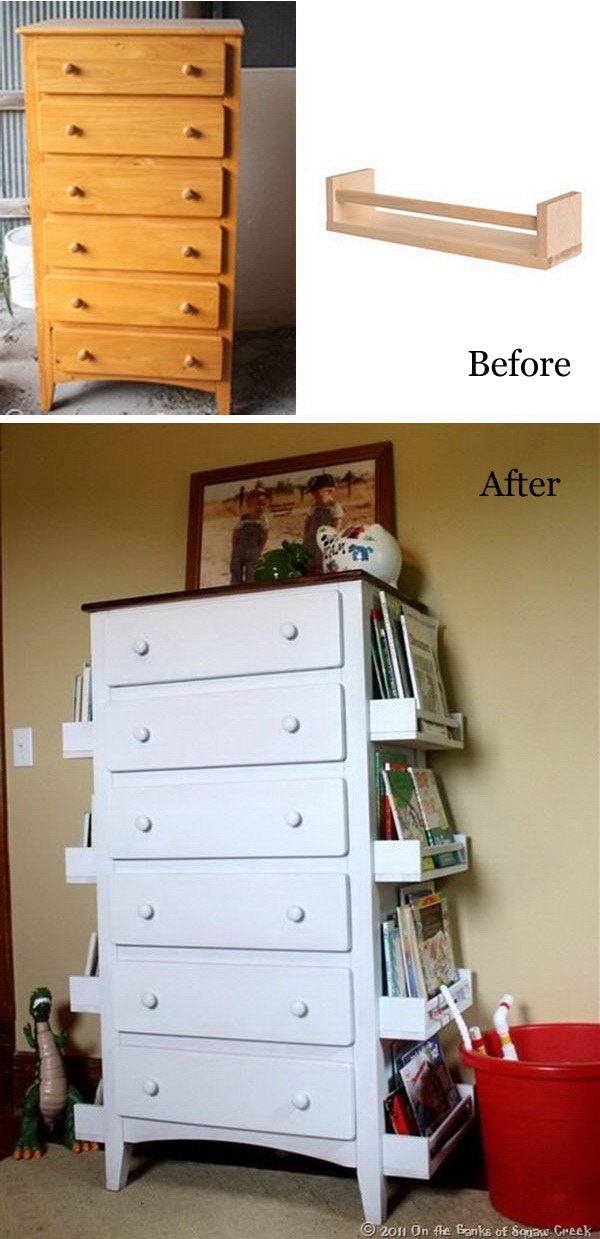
[
  {"x": 290, "y": 723},
  {"x": 188, "y": 251},
  {"x": 74, "y": 191},
  {"x": 190, "y": 361},
  {"x": 143, "y": 823},
  {"x": 189, "y": 193},
  {"x": 150, "y": 1087},
  {"x": 295, "y": 914},
  {"x": 140, "y": 646},
  {"x": 146, "y": 911},
  {"x": 186, "y": 307},
  {"x": 190, "y": 132},
  {"x": 141, "y": 734},
  {"x": 76, "y": 247},
  {"x": 69, "y": 68},
  {"x": 149, "y": 1000},
  {"x": 293, "y": 818},
  {"x": 301, "y": 1101},
  {"x": 85, "y": 355},
  {"x": 288, "y": 630},
  {"x": 189, "y": 70},
  {"x": 72, "y": 129},
  {"x": 78, "y": 303}
]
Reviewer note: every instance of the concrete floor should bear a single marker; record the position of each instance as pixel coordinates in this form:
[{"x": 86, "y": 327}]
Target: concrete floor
[{"x": 263, "y": 381}]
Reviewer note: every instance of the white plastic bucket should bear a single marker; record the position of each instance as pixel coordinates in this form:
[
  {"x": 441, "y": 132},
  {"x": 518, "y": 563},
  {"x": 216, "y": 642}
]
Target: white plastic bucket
[{"x": 19, "y": 256}]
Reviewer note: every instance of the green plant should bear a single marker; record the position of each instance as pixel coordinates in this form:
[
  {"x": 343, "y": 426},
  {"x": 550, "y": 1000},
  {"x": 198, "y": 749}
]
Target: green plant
[{"x": 5, "y": 281}]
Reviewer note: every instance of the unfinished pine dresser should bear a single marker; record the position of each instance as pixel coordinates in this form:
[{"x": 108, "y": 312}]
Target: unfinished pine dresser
[{"x": 133, "y": 135}]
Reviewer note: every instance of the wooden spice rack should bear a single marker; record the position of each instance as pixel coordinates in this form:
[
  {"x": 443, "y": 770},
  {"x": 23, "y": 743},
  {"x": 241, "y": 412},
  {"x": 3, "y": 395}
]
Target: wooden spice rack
[{"x": 542, "y": 240}]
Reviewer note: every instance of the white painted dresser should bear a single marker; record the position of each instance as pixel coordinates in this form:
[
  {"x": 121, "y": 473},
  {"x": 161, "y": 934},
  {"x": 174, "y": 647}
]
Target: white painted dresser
[{"x": 240, "y": 886}]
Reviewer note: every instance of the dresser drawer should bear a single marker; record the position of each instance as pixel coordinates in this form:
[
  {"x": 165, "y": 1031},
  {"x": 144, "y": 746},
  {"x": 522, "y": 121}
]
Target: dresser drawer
[
  {"x": 81, "y": 243},
  {"x": 125, "y": 64},
  {"x": 81, "y": 126},
  {"x": 134, "y": 300},
  {"x": 266, "y": 911},
  {"x": 281, "y": 630},
  {"x": 80, "y": 186},
  {"x": 93, "y": 351},
  {"x": 243, "y": 1091},
  {"x": 281, "y": 818},
  {"x": 263, "y": 726},
  {"x": 240, "y": 1001}
]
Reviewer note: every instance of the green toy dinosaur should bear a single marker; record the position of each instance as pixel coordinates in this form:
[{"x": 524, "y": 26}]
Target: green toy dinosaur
[{"x": 50, "y": 1099}]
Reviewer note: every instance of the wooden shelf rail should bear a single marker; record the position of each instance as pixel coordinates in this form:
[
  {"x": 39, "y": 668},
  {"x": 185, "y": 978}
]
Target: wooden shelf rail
[{"x": 542, "y": 240}]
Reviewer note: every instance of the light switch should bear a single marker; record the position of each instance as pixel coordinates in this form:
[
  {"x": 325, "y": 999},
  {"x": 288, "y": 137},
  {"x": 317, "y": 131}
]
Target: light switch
[{"x": 22, "y": 746}]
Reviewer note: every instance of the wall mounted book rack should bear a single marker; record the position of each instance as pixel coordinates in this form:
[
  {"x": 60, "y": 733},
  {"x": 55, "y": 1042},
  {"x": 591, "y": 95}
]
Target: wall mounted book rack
[{"x": 541, "y": 240}]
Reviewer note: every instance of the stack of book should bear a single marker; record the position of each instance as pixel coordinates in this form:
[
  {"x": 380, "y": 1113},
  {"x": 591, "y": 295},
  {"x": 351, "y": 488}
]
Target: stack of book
[
  {"x": 409, "y": 806},
  {"x": 423, "y": 1093},
  {"x": 404, "y": 654},
  {"x": 82, "y": 695},
  {"x": 418, "y": 952}
]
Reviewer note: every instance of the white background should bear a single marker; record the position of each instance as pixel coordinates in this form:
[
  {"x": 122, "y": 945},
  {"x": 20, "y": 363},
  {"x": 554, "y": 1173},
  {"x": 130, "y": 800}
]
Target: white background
[{"x": 487, "y": 104}]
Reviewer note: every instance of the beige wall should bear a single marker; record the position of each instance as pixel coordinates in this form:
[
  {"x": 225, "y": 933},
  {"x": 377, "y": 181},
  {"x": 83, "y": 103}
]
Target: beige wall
[
  {"x": 266, "y": 265},
  {"x": 100, "y": 511}
]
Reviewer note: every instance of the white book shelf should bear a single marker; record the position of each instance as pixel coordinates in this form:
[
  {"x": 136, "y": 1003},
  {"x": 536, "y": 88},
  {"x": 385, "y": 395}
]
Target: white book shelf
[
  {"x": 398, "y": 720},
  {"x": 77, "y": 739},
  {"x": 415, "y": 1019},
  {"x": 418, "y": 1157},
  {"x": 81, "y": 864},
  {"x": 402, "y": 860},
  {"x": 84, "y": 994}
]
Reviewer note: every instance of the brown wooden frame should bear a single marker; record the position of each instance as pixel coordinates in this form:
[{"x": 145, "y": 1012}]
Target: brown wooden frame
[{"x": 380, "y": 453}]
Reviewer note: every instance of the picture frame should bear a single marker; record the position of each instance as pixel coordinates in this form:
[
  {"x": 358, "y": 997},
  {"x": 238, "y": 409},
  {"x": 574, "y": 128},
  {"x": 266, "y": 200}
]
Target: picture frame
[{"x": 226, "y": 508}]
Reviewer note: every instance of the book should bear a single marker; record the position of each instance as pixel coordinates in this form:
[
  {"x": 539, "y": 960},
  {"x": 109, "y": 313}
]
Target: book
[
  {"x": 86, "y": 694},
  {"x": 421, "y": 639},
  {"x": 435, "y": 951},
  {"x": 395, "y": 760},
  {"x": 91, "y": 962},
  {"x": 393, "y": 959},
  {"x": 398, "y": 1115},
  {"x": 414, "y": 980},
  {"x": 391, "y": 610},
  {"x": 382, "y": 653},
  {"x": 422, "y": 1072},
  {"x": 437, "y": 826},
  {"x": 404, "y": 805}
]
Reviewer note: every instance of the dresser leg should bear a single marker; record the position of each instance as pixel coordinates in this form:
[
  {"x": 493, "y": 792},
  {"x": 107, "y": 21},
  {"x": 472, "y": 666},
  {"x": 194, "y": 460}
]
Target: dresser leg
[
  {"x": 373, "y": 1194},
  {"x": 46, "y": 394},
  {"x": 223, "y": 396},
  {"x": 117, "y": 1156}
]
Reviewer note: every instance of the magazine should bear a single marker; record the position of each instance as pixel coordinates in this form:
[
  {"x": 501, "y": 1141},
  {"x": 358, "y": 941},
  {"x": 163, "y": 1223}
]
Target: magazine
[
  {"x": 421, "y": 636},
  {"x": 430, "y": 1091}
]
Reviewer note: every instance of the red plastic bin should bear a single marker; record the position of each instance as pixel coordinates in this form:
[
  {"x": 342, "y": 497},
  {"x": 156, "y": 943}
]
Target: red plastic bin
[{"x": 540, "y": 1121}]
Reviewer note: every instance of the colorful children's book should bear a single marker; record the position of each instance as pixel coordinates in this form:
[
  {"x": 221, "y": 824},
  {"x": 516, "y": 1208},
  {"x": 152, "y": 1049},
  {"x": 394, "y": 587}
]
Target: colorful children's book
[
  {"x": 437, "y": 826},
  {"x": 420, "y": 637},
  {"x": 391, "y": 610},
  {"x": 404, "y": 805},
  {"x": 393, "y": 959},
  {"x": 430, "y": 1092},
  {"x": 398, "y": 1115},
  {"x": 434, "y": 943}
]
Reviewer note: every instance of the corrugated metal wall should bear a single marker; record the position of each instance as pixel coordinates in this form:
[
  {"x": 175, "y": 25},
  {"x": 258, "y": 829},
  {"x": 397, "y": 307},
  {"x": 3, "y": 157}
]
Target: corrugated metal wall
[{"x": 13, "y": 171}]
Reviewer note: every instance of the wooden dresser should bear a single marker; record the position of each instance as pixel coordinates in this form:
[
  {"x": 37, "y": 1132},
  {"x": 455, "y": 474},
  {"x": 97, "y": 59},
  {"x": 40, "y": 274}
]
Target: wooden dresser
[{"x": 133, "y": 135}]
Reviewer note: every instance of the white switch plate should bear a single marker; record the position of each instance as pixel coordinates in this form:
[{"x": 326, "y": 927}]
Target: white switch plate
[{"x": 22, "y": 746}]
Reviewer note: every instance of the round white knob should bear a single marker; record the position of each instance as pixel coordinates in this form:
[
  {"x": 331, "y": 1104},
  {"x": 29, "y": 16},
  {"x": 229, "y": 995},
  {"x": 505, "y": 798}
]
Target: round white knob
[
  {"x": 293, "y": 818},
  {"x": 146, "y": 911},
  {"x": 140, "y": 647},
  {"x": 143, "y": 823},
  {"x": 142, "y": 734},
  {"x": 295, "y": 913},
  {"x": 299, "y": 1008},
  {"x": 301, "y": 1101},
  {"x": 289, "y": 631},
  {"x": 290, "y": 723},
  {"x": 149, "y": 1000},
  {"x": 150, "y": 1087}
]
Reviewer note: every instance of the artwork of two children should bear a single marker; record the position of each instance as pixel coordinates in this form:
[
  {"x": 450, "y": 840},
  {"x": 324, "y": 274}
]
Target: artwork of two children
[{"x": 251, "y": 530}]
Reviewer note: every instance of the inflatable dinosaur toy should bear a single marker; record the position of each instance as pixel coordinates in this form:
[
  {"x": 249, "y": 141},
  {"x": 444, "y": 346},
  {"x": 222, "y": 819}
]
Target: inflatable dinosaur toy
[{"x": 49, "y": 1101}]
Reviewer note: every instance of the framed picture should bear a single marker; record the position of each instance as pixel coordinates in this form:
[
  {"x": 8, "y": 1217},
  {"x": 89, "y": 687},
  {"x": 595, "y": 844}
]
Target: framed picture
[{"x": 236, "y": 514}]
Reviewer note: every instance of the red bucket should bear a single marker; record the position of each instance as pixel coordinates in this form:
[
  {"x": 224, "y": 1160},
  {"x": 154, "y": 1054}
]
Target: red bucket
[{"x": 540, "y": 1120}]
